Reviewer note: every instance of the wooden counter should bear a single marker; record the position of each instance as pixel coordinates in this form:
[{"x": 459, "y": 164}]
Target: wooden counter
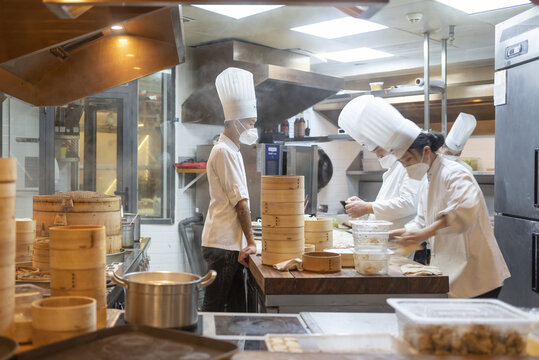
[
  {"x": 263, "y": 355},
  {"x": 351, "y": 288}
]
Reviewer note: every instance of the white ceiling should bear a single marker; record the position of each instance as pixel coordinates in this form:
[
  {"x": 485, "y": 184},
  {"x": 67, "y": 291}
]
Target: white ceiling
[{"x": 474, "y": 34}]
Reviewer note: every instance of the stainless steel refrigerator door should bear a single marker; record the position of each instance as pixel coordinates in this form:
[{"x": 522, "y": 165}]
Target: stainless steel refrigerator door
[
  {"x": 517, "y": 144},
  {"x": 303, "y": 160},
  {"x": 519, "y": 242}
]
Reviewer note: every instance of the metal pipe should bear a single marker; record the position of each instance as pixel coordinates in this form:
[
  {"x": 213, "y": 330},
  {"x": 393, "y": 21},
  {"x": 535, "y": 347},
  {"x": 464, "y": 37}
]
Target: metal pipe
[
  {"x": 444, "y": 92},
  {"x": 426, "y": 76}
]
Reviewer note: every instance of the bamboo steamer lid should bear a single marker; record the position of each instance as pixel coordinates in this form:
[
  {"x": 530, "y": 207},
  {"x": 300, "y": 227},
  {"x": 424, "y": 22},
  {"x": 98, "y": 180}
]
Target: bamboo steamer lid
[
  {"x": 320, "y": 224},
  {"x": 283, "y": 182},
  {"x": 286, "y": 221},
  {"x": 77, "y": 237},
  {"x": 282, "y": 247},
  {"x": 7, "y": 190},
  {"x": 324, "y": 262},
  {"x": 347, "y": 256},
  {"x": 269, "y": 258},
  {"x": 8, "y": 169},
  {"x": 283, "y": 195},
  {"x": 275, "y": 233},
  {"x": 25, "y": 225},
  {"x": 281, "y": 208},
  {"x": 77, "y": 201},
  {"x": 87, "y": 279}
]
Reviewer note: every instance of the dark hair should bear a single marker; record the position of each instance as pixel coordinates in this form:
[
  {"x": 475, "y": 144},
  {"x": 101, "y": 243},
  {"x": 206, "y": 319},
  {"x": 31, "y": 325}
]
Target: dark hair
[{"x": 433, "y": 140}]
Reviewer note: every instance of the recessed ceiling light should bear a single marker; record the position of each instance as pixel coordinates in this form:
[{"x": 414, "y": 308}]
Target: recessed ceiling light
[
  {"x": 117, "y": 27},
  {"x": 337, "y": 28},
  {"x": 359, "y": 54},
  {"x": 477, "y": 6},
  {"x": 238, "y": 11},
  {"x": 122, "y": 40}
]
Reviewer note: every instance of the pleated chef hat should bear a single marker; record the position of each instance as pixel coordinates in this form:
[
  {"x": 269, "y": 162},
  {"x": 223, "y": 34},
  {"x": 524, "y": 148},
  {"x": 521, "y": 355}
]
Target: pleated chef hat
[
  {"x": 371, "y": 118},
  {"x": 460, "y": 132},
  {"x": 237, "y": 93}
]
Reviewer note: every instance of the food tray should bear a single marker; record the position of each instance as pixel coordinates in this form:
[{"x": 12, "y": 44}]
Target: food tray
[
  {"x": 462, "y": 326},
  {"x": 365, "y": 343},
  {"x": 134, "y": 342}
]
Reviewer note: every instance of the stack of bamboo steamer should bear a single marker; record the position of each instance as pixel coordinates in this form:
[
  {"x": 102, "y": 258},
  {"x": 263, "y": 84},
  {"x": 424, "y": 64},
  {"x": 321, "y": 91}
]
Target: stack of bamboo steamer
[
  {"x": 80, "y": 208},
  {"x": 41, "y": 256},
  {"x": 319, "y": 233},
  {"x": 8, "y": 175},
  {"x": 25, "y": 235},
  {"x": 77, "y": 264},
  {"x": 282, "y": 218}
]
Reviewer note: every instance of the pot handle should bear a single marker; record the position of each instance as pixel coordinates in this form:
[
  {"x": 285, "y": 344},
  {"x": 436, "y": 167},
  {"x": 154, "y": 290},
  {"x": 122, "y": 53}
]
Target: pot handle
[
  {"x": 207, "y": 279},
  {"x": 117, "y": 279}
]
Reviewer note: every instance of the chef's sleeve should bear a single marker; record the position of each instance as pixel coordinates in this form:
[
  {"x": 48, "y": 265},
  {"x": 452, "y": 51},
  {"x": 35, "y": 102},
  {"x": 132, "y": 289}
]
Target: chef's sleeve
[
  {"x": 463, "y": 204},
  {"x": 419, "y": 221},
  {"x": 401, "y": 206},
  {"x": 230, "y": 175}
]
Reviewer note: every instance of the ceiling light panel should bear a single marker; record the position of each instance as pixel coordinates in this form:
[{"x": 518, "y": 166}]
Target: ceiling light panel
[
  {"x": 477, "y": 6},
  {"x": 359, "y": 54},
  {"x": 238, "y": 11},
  {"x": 337, "y": 28}
]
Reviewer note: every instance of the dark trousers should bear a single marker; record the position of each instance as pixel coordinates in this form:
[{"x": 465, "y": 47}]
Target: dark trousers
[
  {"x": 227, "y": 293},
  {"x": 492, "y": 294}
]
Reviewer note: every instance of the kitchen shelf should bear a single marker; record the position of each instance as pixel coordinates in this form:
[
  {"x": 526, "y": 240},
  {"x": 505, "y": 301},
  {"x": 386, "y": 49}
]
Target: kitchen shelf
[
  {"x": 199, "y": 174},
  {"x": 190, "y": 171},
  {"x": 320, "y": 138}
]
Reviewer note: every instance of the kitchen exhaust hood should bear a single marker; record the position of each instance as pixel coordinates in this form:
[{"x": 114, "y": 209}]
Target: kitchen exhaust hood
[
  {"x": 284, "y": 85},
  {"x": 47, "y": 61}
]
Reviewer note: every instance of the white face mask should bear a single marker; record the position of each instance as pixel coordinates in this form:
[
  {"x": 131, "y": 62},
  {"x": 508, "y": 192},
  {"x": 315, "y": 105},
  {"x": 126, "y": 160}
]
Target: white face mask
[
  {"x": 387, "y": 161},
  {"x": 248, "y": 136},
  {"x": 418, "y": 171}
]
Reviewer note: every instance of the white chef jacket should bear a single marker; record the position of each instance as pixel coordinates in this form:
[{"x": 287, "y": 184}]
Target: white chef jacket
[
  {"x": 228, "y": 185},
  {"x": 466, "y": 250},
  {"x": 397, "y": 199}
]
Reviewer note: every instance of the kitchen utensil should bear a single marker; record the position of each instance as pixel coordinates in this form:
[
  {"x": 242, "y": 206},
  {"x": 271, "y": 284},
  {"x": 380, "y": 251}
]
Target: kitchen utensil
[
  {"x": 135, "y": 219},
  {"x": 324, "y": 262},
  {"x": 162, "y": 298}
]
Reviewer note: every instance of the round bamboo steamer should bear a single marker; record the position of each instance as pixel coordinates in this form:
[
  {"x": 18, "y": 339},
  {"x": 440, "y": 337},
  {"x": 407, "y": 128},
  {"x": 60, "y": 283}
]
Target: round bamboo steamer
[
  {"x": 322, "y": 245},
  {"x": 7, "y": 276},
  {"x": 8, "y": 169},
  {"x": 7, "y": 308},
  {"x": 25, "y": 238},
  {"x": 281, "y": 208},
  {"x": 347, "y": 256},
  {"x": 283, "y": 182},
  {"x": 7, "y": 210},
  {"x": 59, "y": 318},
  {"x": 7, "y": 190},
  {"x": 324, "y": 262},
  {"x": 111, "y": 220},
  {"x": 321, "y": 224},
  {"x": 321, "y": 236},
  {"x": 77, "y": 259},
  {"x": 282, "y": 221},
  {"x": 308, "y": 248},
  {"x": 7, "y": 230},
  {"x": 25, "y": 226},
  {"x": 283, "y": 195},
  {"x": 269, "y": 258},
  {"x": 282, "y": 234},
  {"x": 79, "y": 279},
  {"x": 99, "y": 296},
  {"x": 282, "y": 247},
  {"x": 77, "y": 237},
  {"x": 41, "y": 257},
  {"x": 7, "y": 251}
]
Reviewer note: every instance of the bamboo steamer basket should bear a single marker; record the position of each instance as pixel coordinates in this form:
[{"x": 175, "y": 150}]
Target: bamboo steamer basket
[
  {"x": 80, "y": 208},
  {"x": 287, "y": 221},
  {"x": 285, "y": 196},
  {"x": 269, "y": 258},
  {"x": 25, "y": 225},
  {"x": 58, "y": 318},
  {"x": 323, "y": 262},
  {"x": 308, "y": 248},
  {"x": 347, "y": 256},
  {"x": 281, "y": 208},
  {"x": 7, "y": 210},
  {"x": 282, "y": 247},
  {"x": 7, "y": 230},
  {"x": 25, "y": 235},
  {"x": 77, "y": 264},
  {"x": 7, "y": 190},
  {"x": 321, "y": 224},
  {"x": 321, "y": 240},
  {"x": 41, "y": 256},
  {"x": 283, "y": 234},
  {"x": 7, "y": 308},
  {"x": 283, "y": 182},
  {"x": 8, "y": 170}
]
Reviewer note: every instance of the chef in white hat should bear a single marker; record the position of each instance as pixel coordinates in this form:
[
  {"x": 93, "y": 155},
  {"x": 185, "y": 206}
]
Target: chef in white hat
[
  {"x": 458, "y": 136},
  {"x": 367, "y": 117},
  {"x": 456, "y": 221},
  {"x": 227, "y": 238}
]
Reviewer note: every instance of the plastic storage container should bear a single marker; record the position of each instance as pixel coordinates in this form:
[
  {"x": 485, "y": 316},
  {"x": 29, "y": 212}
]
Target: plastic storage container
[
  {"x": 371, "y": 225},
  {"x": 462, "y": 326},
  {"x": 372, "y": 261},
  {"x": 24, "y": 296},
  {"x": 364, "y": 240}
]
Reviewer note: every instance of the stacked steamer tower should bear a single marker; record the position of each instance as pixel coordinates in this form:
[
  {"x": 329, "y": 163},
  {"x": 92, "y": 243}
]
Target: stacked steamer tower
[{"x": 282, "y": 218}]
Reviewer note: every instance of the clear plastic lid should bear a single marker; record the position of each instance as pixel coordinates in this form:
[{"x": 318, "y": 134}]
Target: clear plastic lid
[
  {"x": 373, "y": 251},
  {"x": 371, "y": 225},
  {"x": 459, "y": 311}
]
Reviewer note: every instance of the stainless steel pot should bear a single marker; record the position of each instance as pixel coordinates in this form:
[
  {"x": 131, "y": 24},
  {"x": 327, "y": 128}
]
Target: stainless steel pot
[
  {"x": 135, "y": 219},
  {"x": 162, "y": 298},
  {"x": 128, "y": 236}
]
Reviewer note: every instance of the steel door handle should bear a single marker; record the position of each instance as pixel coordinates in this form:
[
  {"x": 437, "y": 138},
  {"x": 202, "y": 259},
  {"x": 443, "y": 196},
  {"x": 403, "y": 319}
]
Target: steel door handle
[{"x": 535, "y": 262}]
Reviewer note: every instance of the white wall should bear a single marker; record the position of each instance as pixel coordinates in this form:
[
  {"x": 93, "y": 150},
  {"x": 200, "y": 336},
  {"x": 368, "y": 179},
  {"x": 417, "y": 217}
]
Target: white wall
[{"x": 481, "y": 147}]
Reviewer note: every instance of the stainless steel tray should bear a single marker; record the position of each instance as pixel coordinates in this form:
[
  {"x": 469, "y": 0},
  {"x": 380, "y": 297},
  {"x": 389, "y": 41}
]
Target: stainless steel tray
[{"x": 134, "y": 342}]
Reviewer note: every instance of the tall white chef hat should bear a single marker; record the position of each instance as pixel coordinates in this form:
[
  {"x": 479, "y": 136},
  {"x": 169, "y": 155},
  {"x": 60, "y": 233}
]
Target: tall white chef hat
[
  {"x": 371, "y": 118},
  {"x": 460, "y": 132},
  {"x": 237, "y": 93}
]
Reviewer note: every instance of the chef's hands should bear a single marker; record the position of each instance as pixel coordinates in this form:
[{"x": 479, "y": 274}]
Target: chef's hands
[
  {"x": 244, "y": 253},
  {"x": 413, "y": 237},
  {"x": 355, "y": 207}
]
